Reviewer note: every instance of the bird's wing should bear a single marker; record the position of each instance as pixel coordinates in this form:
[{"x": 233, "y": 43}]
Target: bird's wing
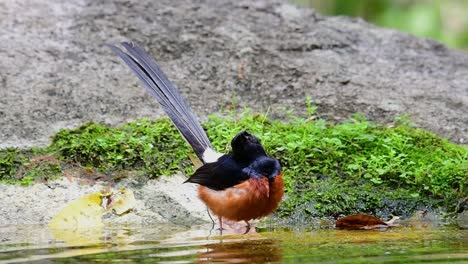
[{"x": 219, "y": 175}]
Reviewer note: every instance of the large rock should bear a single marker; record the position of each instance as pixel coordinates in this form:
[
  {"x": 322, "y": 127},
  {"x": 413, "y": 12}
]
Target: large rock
[{"x": 55, "y": 71}]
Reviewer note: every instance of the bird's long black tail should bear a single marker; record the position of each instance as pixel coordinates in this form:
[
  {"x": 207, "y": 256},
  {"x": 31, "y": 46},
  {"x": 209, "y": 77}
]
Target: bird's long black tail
[{"x": 156, "y": 82}]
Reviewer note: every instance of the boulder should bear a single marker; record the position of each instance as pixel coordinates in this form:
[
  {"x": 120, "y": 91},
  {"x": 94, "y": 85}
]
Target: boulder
[{"x": 56, "y": 72}]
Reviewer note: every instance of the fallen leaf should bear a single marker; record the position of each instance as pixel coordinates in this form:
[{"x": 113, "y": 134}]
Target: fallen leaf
[
  {"x": 362, "y": 221},
  {"x": 122, "y": 202},
  {"x": 86, "y": 212}
]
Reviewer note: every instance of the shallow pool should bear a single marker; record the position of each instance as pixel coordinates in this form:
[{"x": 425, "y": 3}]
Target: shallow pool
[{"x": 171, "y": 244}]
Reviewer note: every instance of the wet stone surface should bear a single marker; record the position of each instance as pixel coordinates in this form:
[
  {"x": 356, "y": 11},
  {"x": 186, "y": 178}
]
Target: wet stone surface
[{"x": 55, "y": 71}]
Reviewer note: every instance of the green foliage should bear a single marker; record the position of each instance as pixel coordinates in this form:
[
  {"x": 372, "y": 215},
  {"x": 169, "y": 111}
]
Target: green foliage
[
  {"x": 39, "y": 168},
  {"x": 155, "y": 146},
  {"x": 357, "y": 166},
  {"x": 441, "y": 20},
  {"x": 20, "y": 167},
  {"x": 10, "y": 161}
]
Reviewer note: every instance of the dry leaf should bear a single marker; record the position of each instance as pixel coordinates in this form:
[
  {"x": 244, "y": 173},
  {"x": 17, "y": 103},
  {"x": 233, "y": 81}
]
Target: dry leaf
[
  {"x": 86, "y": 212},
  {"x": 362, "y": 221},
  {"x": 122, "y": 202}
]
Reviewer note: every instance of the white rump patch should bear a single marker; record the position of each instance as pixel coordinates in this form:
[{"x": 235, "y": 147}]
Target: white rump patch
[{"x": 211, "y": 156}]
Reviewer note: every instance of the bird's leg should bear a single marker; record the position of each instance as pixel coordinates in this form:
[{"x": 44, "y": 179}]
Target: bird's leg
[
  {"x": 220, "y": 219},
  {"x": 247, "y": 229}
]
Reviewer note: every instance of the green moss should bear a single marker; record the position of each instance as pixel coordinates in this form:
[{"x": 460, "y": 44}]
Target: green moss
[
  {"x": 151, "y": 145},
  {"x": 357, "y": 166},
  {"x": 39, "y": 168},
  {"x": 27, "y": 167},
  {"x": 10, "y": 161}
]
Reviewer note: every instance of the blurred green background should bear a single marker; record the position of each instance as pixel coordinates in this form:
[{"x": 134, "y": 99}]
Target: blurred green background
[{"x": 445, "y": 21}]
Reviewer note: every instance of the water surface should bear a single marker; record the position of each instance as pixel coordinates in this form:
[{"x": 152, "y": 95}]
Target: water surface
[{"x": 200, "y": 244}]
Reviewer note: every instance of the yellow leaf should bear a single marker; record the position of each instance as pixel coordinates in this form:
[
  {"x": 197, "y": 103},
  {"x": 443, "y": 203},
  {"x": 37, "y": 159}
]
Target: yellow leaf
[
  {"x": 122, "y": 202},
  {"x": 86, "y": 212}
]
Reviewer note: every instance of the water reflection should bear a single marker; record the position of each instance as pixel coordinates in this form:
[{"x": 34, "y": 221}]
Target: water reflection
[
  {"x": 247, "y": 251},
  {"x": 171, "y": 244}
]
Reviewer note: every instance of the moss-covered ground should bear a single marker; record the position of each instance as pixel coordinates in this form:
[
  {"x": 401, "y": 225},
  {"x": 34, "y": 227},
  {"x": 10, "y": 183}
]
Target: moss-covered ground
[{"x": 329, "y": 169}]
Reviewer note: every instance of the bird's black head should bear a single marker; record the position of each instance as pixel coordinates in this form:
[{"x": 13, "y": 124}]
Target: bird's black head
[
  {"x": 263, "y": 167},
  {"x": 246, "y": 147}
]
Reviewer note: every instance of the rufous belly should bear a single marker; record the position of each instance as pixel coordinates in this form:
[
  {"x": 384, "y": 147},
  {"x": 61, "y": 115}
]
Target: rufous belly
[{"x": 251, "y": 199}]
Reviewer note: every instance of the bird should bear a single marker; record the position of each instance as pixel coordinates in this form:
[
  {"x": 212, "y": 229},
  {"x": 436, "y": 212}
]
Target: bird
[{"x": 242, "y": 185}]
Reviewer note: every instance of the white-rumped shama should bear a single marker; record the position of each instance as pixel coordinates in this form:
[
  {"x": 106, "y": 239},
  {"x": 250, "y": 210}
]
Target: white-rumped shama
[{"x": 243, "y": 185}]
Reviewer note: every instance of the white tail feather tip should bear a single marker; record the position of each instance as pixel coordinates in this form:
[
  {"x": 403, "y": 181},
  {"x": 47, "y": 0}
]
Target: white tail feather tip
[{"x": 209, "y": 155}]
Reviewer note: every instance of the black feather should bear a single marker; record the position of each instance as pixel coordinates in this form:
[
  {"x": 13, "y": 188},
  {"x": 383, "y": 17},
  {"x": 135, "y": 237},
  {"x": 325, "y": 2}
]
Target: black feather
[
  {"x": 263, "y": 167},
  {"x": 227, "y": 172},
  {"x": 221, "y": 174},
  {"x": 156, "y": 82}
]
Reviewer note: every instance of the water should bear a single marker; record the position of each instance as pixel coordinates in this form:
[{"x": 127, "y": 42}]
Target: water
[{"x": 170, "y": 244}]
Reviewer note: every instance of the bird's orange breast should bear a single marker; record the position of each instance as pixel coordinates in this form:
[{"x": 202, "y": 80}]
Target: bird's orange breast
[{"x": 251, "y": 199}]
